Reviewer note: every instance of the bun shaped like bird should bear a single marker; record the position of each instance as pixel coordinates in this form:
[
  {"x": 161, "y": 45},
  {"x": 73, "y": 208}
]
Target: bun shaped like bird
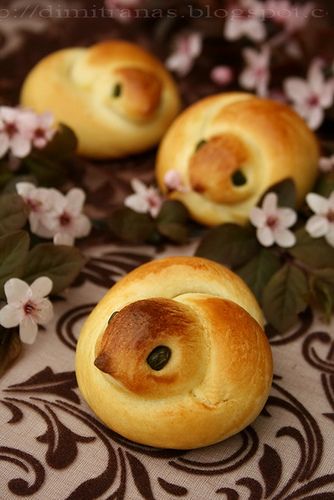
[
  {"x": 117, "y": 97},
  {"x": 228, "y": 149},
  {"x": 175, "y": 356}
]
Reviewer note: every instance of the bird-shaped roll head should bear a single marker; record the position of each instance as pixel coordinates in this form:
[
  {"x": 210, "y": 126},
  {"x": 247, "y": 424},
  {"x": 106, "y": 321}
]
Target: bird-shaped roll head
[
  {"x": 118, "y": 98},
  {"x": 153, "y": 347}
]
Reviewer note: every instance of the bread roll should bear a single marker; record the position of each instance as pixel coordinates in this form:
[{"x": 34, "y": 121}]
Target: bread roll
[
  {"x": 175, "y": 356},
  {"x": 228, "y": 149},
  {"x": 117, "y": 98}
]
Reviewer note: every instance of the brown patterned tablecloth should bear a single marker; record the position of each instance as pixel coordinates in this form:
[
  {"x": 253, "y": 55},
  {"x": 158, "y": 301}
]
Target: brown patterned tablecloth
[{"x": 51, "y": 445}]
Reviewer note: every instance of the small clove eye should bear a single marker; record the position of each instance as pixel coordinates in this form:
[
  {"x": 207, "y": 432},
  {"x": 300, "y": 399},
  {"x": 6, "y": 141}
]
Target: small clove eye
[
  {"x": 200, "y": 144},
  {"x": 117, "y": 90},
  {"x": 112, "y": 316},
  {"x": 159, "y": 357},
  {"x": 239, "y": 178}
]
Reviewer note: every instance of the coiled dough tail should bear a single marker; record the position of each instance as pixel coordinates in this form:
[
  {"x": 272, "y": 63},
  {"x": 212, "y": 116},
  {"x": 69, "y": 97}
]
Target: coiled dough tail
[
  {"x": 219, "y": 373},
  {"x": 117, "y": 98},
  {"x": 229, "y": 149}
]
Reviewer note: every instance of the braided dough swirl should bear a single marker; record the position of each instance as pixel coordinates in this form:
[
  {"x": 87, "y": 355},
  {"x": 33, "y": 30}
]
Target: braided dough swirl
[
  {"x": 218, "y": 376},
  {"x": 228, "y": 149},
  {"x": 118, "y": 98}
]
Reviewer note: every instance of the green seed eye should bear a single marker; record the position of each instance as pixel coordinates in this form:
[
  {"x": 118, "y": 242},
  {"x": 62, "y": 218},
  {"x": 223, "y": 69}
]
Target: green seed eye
[
  {"x": 200, "y": 144},
  {"x": 117, "y": 90},
  {"x": 239, "y": 178},
  {"x": 159, "y": 357},
  {"x": 112, "y": 316}
]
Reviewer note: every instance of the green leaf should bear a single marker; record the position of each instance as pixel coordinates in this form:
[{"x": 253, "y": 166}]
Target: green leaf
[
  {"x": 13, "y": 213},
  {"x": 10, "y": 348},
  {"x": 48, "y": 172},
  {"x": 172, "y": 211},
  {"x": 171, "y": 221},
  {"x": 285, "y": 296},
  {"x": 229, "y": 244},
  {"x": 131, "y": 226},
  {"x": 174, "y": 231},
  {"x": 5, "y": 174},
  {"x": 258, "y": 271},
  {"x": 61, "y": 264},
  {"x": 322, "y": 286},
  {"x": 286, "y": 192},
  {"x": 314, "y": 252},
  {"x": 13, "y": 252},
  {"x": 63, "y": 144},
  {"x": 325, "y": 185}
]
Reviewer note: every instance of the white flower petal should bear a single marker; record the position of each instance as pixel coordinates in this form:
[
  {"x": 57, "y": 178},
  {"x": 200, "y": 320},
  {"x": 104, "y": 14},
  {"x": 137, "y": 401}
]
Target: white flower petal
[
  {"x": 25, "y": 189},
  {"x": 20, "y": 146},
  {"x": 10, "y": 316},
  {"x": 28, "y": 330},
  {"x": 284, "y": 238},
  {"x": 265, "y": 236},
  {"x": 45, "y": 312},
  {"x": 296, "y": 89},
  {"x": 16, "y": 290},
  {"x": 75, "y": 199},
  {"x": 317, "y": 226},
  {"x": 330, "y": 235},
  {"x": 41, "y": 287},
  {"x": 315, "y": 117},
  {"x": 269, "y": 204},
  {"x": 257, "y": 217},
  {"x": 9, "y": 114},
  {"x": 81, "y": 226},
  {"x": 137, "y": 202},
  {"x": 319, "y": 204},
  {"x": 138, "y": 186},
  {"x": 287, "y": 217},
  {"x": 63, "y": 239}
]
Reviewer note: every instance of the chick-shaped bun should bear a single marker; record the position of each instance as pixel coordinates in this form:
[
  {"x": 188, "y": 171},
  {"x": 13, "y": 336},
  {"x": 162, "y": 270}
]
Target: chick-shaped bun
[
  {"x": 117, "y": 97},
  {"x": 175, "y": 355},
  {"x": 228, "y": 149}
]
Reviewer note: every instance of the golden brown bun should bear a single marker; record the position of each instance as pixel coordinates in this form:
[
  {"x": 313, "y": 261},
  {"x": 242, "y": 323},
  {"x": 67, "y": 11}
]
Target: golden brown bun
[
  {"x": 265, "y": 140},
  {"x": 219, "y": 374},
  {"x": 118, "y": 99}
]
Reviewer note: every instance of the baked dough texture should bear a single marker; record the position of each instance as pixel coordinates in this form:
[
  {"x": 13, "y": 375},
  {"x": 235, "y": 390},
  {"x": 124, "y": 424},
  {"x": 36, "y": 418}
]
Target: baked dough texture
[
  {"x": 218, "y": 376},
  {"x": 228, "y": 149},
  {"x": 117, "y": 98}
]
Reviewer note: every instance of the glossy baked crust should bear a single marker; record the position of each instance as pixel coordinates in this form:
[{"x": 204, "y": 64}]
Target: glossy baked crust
[
  {"x": 218, "y": 377},
  {"x": 118, "y": 98},
  {"x": 221, "y": 136}
]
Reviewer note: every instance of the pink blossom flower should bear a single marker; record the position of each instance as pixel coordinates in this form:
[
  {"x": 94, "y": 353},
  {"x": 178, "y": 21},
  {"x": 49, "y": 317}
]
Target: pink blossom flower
[
  {"x": 15, "y": 132},
  {"x": 256, "y": 75},
  {"x": 53, "y": 215},
  {"x": 145, "y": 199},
  {"x": 27, "y": 306},
  {"x": 173, "y": 181},
  {"x": 312, "y": 96},
  {"x": 65, "y": 221},
  {"x": 322, "y": 223},
  {"x": 188, "y": 46},
  {"x": 39, "y": 201},
  {"x": 42, "y": 129},
  {"x": 222, "y": 75},
  {"x": 246, "y": 20},
  {"x": 327, "y": 164},
  {"x": 272, "y": 223}
]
